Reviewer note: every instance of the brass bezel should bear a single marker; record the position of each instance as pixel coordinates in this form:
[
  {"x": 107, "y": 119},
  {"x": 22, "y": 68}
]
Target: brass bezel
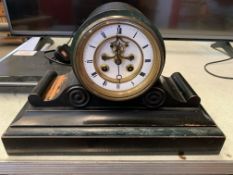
[{"x": 78, "y": 62}]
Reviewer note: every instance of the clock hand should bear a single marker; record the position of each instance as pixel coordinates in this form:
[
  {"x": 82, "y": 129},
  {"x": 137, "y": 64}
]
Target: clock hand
[
  {"x": 119, "y": 76},
  {"x": 130, "y": 57},
  {"x": 105, "y": 57}
]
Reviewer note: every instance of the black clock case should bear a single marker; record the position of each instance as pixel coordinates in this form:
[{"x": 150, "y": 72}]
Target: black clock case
[{"x": 168, "y": 119}]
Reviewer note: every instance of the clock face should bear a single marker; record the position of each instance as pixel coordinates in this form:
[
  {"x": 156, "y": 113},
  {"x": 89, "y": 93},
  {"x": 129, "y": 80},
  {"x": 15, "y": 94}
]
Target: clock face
[{"x": 118, "y": 60}]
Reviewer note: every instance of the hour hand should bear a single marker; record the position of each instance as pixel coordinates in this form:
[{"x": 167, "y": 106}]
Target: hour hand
[{"x": 105, "y": 57}]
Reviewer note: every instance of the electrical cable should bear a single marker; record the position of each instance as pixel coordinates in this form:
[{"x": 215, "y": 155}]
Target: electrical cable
[
  {"x": 68, "y": 42},
  {"x": 215, "y": 62},
  {"x": 72, "y": 35}
]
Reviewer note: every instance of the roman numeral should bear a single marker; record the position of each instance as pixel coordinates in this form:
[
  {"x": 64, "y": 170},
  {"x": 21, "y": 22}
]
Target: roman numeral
[
  {"x": 118, "y": 85},
  {"x": 105, "y": 83},
  {"x": 142, "y": 74},
  {"x": 145, "y": 46},
  {"x": 89, "y": 61},
  {"x": 119, "y": 30},
  {"x": 132, "y": 83},
  {"x": 92, "y": 46},
  {"x": 94, "y": 74},
  {"x": 135, "y": 34},
  {"x": 103, "y": 35},
  {"x": 147, "y": 60}
]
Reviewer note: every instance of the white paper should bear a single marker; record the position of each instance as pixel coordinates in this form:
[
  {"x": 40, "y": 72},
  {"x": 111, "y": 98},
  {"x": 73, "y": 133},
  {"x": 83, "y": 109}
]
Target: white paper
[{"x": 24, "y": 53}]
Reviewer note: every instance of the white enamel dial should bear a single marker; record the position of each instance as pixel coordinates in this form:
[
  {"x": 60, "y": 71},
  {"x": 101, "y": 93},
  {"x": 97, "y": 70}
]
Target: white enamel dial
[{"x": 118, "y": 57}]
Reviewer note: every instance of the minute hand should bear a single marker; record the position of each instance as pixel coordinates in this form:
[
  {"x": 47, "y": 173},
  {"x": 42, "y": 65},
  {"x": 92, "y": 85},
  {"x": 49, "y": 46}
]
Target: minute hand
[{"x": 130, "y": 57}]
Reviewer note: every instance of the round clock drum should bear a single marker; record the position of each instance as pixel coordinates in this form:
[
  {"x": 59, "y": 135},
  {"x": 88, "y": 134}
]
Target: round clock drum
[{"x": 117, "y": 53}]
